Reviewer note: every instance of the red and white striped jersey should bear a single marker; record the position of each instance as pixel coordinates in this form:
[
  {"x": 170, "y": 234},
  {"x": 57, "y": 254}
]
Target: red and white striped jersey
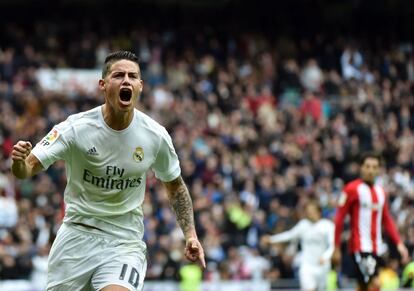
[{"x": 369, "y": 211}]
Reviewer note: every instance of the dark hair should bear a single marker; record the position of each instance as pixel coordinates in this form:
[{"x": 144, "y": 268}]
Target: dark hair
[
  {"x": 116, "y": 56},
  {"x": 314, "y": 202},
  {"x": 370, "y": 155}
]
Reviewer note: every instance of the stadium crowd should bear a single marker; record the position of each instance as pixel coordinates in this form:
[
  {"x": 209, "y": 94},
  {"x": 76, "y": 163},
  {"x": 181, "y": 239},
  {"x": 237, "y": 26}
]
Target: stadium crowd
[{"x": 261, "y": 126}]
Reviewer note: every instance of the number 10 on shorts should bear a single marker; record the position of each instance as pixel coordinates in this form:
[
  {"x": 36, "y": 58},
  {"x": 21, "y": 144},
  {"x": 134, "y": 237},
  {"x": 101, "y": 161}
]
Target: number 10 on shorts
[{"x": 133, "y": 275}]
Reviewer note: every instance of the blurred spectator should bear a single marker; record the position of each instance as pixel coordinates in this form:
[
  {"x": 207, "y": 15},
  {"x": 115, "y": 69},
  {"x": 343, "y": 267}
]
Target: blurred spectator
[
  {"x": 388, "y": 276},
  {"x": 408, "y": 276},
  {"x": 351, "y": 62},
  {"x": 8, "y": 210},
  {"x": 312, "y": 76}
]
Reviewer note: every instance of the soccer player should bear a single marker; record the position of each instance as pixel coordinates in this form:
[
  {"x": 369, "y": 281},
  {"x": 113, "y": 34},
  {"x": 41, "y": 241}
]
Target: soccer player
[
  {"x": 107, "y": 151},
  {"x": 316, "y": 236},
  {"x": 367, "y": 205}
]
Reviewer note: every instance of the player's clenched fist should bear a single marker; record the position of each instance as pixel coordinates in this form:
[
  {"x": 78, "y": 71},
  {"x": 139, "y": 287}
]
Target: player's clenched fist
[{"x": 21, "y": 150}]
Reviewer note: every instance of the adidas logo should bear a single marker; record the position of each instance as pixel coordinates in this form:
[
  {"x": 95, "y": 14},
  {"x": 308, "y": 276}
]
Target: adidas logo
[{"x": 92, "y": 152}]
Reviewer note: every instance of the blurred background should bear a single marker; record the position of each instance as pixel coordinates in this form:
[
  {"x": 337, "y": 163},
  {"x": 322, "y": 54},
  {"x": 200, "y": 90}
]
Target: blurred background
[{"x": 269, "y": 104}]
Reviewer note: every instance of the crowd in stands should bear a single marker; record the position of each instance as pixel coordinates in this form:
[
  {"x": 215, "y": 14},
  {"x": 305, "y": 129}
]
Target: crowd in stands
[{"x": 261, "y": 125}]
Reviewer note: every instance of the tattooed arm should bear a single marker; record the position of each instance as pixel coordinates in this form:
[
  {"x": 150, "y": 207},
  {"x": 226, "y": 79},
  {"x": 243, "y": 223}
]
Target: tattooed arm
[{"x": 182, "y": 205}]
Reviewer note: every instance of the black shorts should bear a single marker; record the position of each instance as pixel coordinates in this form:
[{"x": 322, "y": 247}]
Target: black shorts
[{"x": 367, "y": 265}]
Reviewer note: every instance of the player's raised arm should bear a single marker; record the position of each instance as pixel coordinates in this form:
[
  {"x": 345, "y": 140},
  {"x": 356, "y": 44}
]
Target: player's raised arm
[
  {"x": 182, "y": 205},
  {"x": 25, "y": 164}
]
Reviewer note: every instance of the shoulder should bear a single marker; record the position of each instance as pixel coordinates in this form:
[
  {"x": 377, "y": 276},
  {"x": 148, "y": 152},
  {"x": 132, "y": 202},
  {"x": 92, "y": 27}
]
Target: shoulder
[
  {"x": 85, "y": 118},
  {"x": 326, "y": 223},
  {"x": 352, "y": 186},
  {"x": 349, "y": 192},
  {"x": 150, "y": 125},
  {"x": 303, "y": 223}
]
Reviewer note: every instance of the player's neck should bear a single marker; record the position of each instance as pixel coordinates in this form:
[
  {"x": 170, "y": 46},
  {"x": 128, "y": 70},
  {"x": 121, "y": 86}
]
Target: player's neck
[
  {"x": 369, "y": 183},
  {"x": 314, "y": 220},
  {"x": 116, "y": 120}
]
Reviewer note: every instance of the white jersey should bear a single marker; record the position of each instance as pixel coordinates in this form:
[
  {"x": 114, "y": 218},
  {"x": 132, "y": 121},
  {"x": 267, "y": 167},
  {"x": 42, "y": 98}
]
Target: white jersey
[
  {"x": 317, "y": 240},
  {"x": 106, "y": 169}
]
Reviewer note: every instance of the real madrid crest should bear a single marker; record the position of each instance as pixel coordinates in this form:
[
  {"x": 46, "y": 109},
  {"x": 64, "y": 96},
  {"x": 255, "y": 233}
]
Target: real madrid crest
[{"x": 138, "y": 154}]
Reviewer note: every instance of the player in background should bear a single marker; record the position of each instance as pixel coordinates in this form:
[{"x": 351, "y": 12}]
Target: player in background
[
  {"x": 316, "y": 237},
  {"x": 107, "y": 152},
  {"x": 367, "y": 205}
]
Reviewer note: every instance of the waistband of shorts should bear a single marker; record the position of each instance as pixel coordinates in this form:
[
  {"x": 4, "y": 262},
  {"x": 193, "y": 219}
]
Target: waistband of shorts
[{"x": 100, "y": 234}]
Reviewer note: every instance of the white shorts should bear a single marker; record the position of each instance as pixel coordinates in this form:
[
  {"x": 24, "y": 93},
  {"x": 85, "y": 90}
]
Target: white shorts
[
  {"x": 81, "y": 260},
  {"x": 313, "y": 277}
]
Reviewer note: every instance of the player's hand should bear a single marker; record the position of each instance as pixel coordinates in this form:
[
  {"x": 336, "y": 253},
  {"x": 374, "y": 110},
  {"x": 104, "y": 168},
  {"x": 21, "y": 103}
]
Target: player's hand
[
  {"x": 265, "y": 240},
  {"x": 405, "y": 257},
  {"x": 322, "y": 261},
  {"x": 194, "y": 251},
  {"x": 21, "y": 151},
  {"x": 336, "y": 257}
]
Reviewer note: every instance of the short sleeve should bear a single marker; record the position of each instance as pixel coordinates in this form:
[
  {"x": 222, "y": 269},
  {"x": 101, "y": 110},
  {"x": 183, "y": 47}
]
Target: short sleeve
[
  {"x": 54, "y": 146},
  {"x": 166, "y": 165}
]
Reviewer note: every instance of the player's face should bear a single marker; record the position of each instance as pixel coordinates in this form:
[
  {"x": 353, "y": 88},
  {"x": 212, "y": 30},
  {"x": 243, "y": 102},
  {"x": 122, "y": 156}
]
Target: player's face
[
  {"x": 370, "y": 170},
  {"x": 312, "y": 212},
  {"x": 122, "y": 86}
]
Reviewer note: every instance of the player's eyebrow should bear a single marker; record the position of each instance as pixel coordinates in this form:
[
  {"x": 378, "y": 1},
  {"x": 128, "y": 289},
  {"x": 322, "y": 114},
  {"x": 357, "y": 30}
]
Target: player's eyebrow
[{"x": 123, "y": 72}]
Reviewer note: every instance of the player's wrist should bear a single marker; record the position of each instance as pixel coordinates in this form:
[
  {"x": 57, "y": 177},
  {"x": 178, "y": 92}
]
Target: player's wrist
[
  {"x": 19, "y": 162},
  {"x": 19, "y": 169},
  {"x": 190, "y": 234},
  {"x": 401, "y": 247}
]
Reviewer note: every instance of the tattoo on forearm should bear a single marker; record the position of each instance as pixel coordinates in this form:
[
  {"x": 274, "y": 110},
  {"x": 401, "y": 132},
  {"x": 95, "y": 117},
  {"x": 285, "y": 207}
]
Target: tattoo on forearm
[{"x": 181, "y": 203}]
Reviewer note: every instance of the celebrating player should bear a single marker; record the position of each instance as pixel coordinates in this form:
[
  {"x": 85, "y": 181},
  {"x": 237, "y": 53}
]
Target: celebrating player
[
  {"x": 107, "y": 151},
  {"x": 368, "y": 208},
  {"x": 316, "y": 236}
]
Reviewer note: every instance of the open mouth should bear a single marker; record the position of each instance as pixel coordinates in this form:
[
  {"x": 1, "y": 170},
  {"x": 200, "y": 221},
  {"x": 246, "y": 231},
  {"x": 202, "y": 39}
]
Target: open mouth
[{"x": 125, "y": 94}]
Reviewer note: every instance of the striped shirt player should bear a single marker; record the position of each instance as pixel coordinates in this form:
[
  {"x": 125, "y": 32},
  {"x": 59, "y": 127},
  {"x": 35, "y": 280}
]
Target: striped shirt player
[
  {"x": 367, "y": 205},
  {"x": 368, "y": 208}
]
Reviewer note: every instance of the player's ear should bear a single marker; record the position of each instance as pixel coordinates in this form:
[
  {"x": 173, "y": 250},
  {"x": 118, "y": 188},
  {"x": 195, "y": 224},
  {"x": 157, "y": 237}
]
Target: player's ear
[
  {"x": 141, "y": 86},
  {"x": 102, "y": 84}
]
